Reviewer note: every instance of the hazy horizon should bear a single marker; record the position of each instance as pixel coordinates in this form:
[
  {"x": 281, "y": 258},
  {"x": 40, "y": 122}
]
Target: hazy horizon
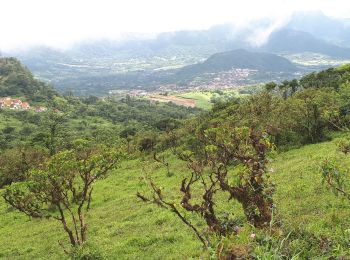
[{"x": 60, "y": 24}]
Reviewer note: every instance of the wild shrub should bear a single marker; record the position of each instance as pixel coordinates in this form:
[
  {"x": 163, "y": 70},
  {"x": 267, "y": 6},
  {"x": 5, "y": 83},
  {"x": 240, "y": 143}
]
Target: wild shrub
[
  {"x": 16, "y": 163},
  {"x": 336, "y": 178},
  {"x": 232, "y": 161},
  {"x": 62, "y": 188}
]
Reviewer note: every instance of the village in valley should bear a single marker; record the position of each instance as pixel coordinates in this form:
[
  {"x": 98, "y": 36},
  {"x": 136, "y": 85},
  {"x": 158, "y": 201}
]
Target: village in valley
[{"x": 17, "y": 104}]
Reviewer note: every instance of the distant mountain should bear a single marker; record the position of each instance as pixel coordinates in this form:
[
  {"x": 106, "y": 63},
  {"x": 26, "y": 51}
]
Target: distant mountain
[
  {"x": 240, "y": 58},
  {"x": 40, "y": 58},
  {"x": 139, "y": 60},
  {"x": 305, "y": 31},
  {"x": 334, "y": 30},
  {"x": 292, "y": 41},
  {"x": 17, "y": 81},
  {"x": 211, "y": 40}
]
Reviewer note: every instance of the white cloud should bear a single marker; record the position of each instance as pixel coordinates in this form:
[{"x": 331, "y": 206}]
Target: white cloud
[{"x": 59, "y": 23}]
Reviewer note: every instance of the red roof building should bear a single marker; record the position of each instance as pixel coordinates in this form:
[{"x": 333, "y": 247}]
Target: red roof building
[{"x": 25, "y": 105}]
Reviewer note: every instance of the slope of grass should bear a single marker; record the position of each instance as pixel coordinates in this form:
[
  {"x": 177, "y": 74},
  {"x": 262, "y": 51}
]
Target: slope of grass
[
  {"x": 124, "y": 228},
  {"x": 119, "y": 224},
  {"x": 302, "y": 199}
]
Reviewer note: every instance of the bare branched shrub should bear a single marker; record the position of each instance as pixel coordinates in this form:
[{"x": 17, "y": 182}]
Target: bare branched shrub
[{"x": 228, "y": 160}]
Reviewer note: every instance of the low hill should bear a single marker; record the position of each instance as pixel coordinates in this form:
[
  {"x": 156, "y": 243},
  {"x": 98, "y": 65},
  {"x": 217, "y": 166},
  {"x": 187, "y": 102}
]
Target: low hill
[
  {"x": 239, "y": 59},
  {"x": 294, "y": 41},
  {"x": 17, "y": 80}
]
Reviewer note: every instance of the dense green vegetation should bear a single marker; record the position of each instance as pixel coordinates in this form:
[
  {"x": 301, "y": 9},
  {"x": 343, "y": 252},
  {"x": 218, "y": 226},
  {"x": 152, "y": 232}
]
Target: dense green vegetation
[
  {"x": 17, "y": 81},
  {"x": 247, "y": 179}
]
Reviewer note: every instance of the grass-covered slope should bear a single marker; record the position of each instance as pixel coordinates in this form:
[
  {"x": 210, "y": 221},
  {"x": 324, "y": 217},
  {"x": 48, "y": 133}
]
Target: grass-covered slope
[
  {"x": 121, "y": 226},
  {"x": 301, "y": 198},
  {"x": 124, "y": 228}
]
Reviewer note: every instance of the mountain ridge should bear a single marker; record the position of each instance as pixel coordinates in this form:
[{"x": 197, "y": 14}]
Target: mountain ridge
[{"x": 293, "y": 41}]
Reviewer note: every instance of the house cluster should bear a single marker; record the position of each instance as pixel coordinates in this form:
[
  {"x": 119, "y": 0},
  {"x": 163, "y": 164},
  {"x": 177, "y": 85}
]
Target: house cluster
[
  {"x": 12, "y": 103},
  {"x": 222, "y": 80},
  {"x": 8, "y": 102}
]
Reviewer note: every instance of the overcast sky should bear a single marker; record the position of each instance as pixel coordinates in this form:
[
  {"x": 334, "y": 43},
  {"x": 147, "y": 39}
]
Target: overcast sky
[{"x": 60, "y": 23}]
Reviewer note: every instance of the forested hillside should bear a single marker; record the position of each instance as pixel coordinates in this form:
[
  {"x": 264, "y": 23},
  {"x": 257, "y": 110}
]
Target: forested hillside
[
  {"x": 238, "y": 59},
  {"x": 256, "y": 177},
  {"x": 16, "y": 80}
]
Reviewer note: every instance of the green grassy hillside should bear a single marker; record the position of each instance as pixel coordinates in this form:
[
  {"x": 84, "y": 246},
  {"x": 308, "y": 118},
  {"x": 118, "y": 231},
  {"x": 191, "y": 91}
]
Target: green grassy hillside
[
  {"x": 302, "y": 200},
  {"x": 124, "y": 228}
]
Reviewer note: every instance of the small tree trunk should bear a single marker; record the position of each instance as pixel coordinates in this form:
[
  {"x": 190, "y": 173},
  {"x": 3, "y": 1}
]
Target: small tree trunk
[
  {"x": 257, "y": 210},
  {"x": 72, "y": 239},
  {"x": 265, "y": 209},
  {"x": 89, "y": 200},
  {"x": 83, "y": 227},
  {"x": 213, "y": 223}
]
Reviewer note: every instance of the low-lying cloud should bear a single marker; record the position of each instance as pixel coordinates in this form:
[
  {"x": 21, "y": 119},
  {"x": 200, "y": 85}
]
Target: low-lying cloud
[{"x": 61, "y": 23}]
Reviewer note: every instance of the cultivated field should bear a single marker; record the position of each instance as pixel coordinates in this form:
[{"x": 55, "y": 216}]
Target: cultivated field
[{"x": 174, "y": 99}]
